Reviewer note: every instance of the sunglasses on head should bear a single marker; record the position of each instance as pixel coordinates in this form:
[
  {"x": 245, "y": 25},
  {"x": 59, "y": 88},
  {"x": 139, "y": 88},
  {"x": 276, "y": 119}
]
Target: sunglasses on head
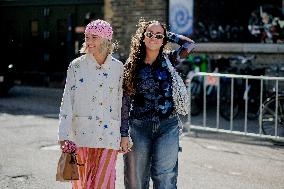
[{"x": 157, "y": 36}]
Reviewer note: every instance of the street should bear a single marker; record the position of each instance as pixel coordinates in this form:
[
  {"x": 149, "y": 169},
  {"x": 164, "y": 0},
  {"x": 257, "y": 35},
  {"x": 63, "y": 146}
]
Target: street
[{"x": 29, "y": 150}]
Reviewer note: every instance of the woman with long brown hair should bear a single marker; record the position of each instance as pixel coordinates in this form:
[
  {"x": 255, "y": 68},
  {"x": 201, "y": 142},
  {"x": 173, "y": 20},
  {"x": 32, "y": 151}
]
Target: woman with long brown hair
[{"x": 153, "y": 96}]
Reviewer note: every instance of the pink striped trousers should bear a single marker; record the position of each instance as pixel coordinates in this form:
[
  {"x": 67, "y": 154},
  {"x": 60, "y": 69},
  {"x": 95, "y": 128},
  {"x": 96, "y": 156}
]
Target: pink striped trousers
[{"x": 98, "y": 169}]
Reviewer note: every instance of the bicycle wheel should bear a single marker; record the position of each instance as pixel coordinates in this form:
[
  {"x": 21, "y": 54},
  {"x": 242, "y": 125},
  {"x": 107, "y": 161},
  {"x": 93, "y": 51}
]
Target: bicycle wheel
[
  {"x": 253, "y": 109},
  {"x": 196, "y": 100},
  {"x": 268, "y": 117},
  {"x": 225, "y": 101},
  {"x": 225, "y": 108}
]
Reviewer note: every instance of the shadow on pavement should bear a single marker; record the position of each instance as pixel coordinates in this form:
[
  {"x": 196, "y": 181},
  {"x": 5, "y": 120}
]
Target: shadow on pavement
[{"x": 25, "y": 100}]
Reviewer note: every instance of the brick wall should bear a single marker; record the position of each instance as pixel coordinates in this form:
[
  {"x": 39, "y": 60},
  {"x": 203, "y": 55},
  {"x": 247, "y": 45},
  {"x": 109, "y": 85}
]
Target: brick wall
[{"x": 124, "y": 16}]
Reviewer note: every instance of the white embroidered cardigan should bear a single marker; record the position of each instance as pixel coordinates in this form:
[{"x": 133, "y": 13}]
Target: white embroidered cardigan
[{"x": 90, "y": 111}]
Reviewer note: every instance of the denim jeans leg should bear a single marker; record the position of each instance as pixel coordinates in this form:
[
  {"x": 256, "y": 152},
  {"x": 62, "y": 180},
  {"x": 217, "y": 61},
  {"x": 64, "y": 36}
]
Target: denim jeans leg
[
  {"x": 137, "y": 162},
  {"x": 164, "y": 168}
]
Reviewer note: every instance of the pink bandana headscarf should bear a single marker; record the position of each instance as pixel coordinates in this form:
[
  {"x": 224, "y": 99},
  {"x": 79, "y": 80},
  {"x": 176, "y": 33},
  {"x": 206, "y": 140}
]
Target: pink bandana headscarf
[{"x": 100, "y": 28}]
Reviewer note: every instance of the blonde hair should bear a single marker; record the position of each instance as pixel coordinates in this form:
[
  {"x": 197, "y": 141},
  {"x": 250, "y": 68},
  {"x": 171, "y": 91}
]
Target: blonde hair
[{"x": 111, "y": 47}]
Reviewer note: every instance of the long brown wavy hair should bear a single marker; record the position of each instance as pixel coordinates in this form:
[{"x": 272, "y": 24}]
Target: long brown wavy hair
[{"x": 138, "y": 54}]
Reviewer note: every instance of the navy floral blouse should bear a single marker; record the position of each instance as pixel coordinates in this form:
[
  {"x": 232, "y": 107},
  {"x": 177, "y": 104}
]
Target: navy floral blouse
[{"x": 153, "y": 100}]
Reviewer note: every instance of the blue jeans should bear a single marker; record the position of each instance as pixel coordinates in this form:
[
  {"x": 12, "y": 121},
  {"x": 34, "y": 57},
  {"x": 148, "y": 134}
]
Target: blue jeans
[{"x": 154, "y": 154}]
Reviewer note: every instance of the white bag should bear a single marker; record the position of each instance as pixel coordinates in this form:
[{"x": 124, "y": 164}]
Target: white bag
[{"x": 180, "y": 95}]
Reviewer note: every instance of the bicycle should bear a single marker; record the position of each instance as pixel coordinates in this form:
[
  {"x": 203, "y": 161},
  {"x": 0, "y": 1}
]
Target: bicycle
[
  {"x": 273, "y": 103},
  {"x": 243, "y": 91},
  {"x": 267, "y": 120},
  {"x": 197, "y": 86},
  {"x": 199, "y": 64}
]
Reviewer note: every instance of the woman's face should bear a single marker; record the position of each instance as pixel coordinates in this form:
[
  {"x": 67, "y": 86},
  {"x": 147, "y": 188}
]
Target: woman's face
[
  {"x": 96, "y": 44},
  {"x": 154, "y": 36}
]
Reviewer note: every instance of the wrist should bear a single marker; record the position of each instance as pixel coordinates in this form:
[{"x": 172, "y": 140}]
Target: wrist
[
  {"x": 172, "y": 37},
  {"x": 123, "y": 134},
  {"x": 189, "y": 46}
]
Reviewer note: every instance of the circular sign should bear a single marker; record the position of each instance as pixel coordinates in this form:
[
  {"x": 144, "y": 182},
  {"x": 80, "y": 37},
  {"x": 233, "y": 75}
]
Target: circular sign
[{"x": 180, "y": 19}]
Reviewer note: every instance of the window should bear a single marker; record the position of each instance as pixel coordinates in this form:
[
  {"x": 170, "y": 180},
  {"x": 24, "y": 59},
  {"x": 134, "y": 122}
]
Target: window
[{"x": 34, "y": 28}]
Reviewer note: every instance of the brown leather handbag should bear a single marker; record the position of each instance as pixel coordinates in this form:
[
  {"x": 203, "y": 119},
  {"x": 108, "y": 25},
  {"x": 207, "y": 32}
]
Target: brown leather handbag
[{"x": 67, "y": 169}]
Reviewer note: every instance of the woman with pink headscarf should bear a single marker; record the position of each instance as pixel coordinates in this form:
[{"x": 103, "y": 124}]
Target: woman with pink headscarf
[{"x": 90, "y": 112}]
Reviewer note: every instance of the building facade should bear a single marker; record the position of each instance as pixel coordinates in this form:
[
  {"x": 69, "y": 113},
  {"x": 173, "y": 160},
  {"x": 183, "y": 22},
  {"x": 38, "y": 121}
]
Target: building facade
[
  {"x": 44, "y": 36},
  {"x": 124, "y": 16}
]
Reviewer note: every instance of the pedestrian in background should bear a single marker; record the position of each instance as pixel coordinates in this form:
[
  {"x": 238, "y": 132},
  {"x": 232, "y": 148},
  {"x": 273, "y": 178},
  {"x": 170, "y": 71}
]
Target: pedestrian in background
[
  {"x": 90, "y": 112},
  {"x": 153, "y": 96}
]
